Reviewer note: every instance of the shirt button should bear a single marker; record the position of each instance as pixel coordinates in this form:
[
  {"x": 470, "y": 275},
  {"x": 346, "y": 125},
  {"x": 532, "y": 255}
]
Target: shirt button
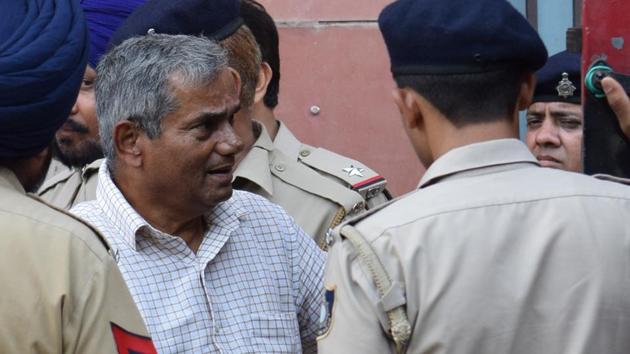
[
  {"x": 280, "y": 167},
  {"x": 305, "y": 153}
]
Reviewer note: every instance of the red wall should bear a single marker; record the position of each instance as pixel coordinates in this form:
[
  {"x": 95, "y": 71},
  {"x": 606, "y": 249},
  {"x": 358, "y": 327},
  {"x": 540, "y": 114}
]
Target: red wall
[{"x": 333, "y": 56}]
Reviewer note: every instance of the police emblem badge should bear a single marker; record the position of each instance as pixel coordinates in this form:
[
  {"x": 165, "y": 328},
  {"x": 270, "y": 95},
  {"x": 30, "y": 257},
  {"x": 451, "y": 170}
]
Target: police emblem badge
[
  {"x": 326, "y": 312},
  {"x": 565, "y": 87}
]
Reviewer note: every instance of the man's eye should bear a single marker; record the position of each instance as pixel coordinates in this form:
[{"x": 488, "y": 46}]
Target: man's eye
[
  {"x": 571, "y": 123},
  {"x": 533, "y": 122},
  {"x": 87, "y": 83}
]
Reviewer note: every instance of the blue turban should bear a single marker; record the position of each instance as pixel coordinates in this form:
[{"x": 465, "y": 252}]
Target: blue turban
[
  {"x": 43, "y": 50},
  {"x": 103, "y": 18}
]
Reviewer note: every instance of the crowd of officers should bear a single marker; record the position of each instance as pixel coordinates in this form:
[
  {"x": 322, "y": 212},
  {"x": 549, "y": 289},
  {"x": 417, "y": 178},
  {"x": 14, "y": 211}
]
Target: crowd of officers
[{"x": 180, "y": 215}]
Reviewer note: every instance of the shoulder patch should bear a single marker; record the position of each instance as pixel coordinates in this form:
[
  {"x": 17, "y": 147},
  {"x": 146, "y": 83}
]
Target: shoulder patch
[
  {"x": 352, "y": 173},
  {"x": 131, "y": 343},
  {"x": 326, "y": 313}
]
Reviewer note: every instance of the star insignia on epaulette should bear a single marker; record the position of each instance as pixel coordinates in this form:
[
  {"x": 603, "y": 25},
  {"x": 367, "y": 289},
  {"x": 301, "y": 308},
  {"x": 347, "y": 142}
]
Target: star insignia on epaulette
[
  {"x": 354, "y": 171},
  {"x": 565, "y": 87}
]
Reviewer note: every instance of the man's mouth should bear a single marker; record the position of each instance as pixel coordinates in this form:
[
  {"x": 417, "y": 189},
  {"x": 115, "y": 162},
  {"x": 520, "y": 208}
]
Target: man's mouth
[
  {"x": 71, "y": 126},
  {"x": 222, "y": 170},
  {"x": 549, "y": 161}
]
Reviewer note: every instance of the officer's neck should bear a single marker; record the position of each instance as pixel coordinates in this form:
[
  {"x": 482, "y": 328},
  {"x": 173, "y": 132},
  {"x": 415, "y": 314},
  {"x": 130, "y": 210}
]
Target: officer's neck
[
  {"x": 265, "y": 115},
  {"x": 446, "y": 137}
]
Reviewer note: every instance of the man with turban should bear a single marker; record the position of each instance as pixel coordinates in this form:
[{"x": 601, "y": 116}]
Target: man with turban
[
  {"x": 77, "y": 147},
  {"x": 61, "y": 290}
]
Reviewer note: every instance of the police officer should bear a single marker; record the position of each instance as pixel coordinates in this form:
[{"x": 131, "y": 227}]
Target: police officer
[
  {"x": 492, "y": 254},
  {"x": 555, "y": 118},
  {"x": 71, "y": 179},
  {"x": 61, "y": 290},
  {"x": 320, "y": 190},
  {"x": 319, "y": 159}
]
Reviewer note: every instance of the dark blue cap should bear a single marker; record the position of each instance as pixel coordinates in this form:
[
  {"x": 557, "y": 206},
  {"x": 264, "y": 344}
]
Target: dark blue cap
[
  {"x": 560, "y": 79},
  {"x": 215, "y": 19},
  {"x": 458, "y": 36}
]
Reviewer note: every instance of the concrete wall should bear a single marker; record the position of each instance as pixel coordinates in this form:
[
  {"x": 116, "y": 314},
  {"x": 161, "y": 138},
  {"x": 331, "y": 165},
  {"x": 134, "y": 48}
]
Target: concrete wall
[{"x": 333, "y": 57}]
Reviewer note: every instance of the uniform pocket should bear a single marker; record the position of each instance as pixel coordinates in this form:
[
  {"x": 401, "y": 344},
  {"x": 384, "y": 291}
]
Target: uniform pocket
[{"x": 276, "y": 332}]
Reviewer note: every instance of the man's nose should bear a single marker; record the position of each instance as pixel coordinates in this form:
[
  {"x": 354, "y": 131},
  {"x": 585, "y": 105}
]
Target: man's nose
[
  {"x": 547, "y": 134},
  {"x": 230, "y": 143}
]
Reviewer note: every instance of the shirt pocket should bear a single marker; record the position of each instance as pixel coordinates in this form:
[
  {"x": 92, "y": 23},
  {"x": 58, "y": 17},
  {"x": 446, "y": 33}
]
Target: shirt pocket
[{"x": 276, "y": 333}]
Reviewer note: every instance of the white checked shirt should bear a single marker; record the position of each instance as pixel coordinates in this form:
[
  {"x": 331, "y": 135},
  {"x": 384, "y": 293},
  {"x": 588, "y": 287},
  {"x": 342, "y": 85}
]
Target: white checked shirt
[{"x": 254, "y": 285}]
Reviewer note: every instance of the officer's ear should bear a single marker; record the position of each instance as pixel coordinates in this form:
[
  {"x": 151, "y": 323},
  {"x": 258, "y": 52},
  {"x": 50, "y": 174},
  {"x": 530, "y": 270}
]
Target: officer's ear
[
  {"x": 128, "y": 142},
  {"x": 264, "y": 77},
  {"x": 407, "y": 103},
  {"x": 526, "y": 93}
]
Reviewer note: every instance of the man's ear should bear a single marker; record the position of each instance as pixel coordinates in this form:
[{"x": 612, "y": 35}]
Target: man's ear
[
  {"x": 264, "y": 77},
  {"x": 526, "y": 93},
  {"x": 407, "y": 104},
  {"x": 127, "y": 136}
]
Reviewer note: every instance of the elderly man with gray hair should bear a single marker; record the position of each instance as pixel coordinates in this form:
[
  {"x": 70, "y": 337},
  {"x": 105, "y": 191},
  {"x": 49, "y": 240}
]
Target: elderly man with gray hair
[{"x": 211, "y": 270}]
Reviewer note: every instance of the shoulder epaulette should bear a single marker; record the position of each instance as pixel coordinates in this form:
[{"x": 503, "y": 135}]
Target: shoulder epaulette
[
  {"x": 76, "y": 218},
  {"x": 300, "y": 176},
  {"x": 610, "y": 178},
  {"x": 350, "y": 172}
]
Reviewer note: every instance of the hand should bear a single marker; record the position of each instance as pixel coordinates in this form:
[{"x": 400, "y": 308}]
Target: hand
[{"x": 619, "y": 102}]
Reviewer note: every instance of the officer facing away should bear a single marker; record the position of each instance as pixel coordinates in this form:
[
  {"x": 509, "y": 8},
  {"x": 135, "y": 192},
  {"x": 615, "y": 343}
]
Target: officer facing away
[
  {"x": 492, "y": 254},
  {"x": 61, "y": 290}
]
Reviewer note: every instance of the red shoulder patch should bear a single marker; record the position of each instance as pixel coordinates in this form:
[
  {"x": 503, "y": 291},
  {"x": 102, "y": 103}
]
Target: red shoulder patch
[{"x": 130, "y": 343}]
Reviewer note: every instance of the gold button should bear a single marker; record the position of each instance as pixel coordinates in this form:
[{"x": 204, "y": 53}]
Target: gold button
[{"x": 305, "y": 153}]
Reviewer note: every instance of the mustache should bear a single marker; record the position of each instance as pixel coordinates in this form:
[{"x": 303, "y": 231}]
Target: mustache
[{"x": 76, "y": 126}]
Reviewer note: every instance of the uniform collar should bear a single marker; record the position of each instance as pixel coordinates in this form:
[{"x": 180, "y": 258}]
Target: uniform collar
[
  {"x": 286, "y": 142},
  {"x": 9, "y": 180},
  {"x": 477, "y": 156},
  {"x": 255, "y": 165},
  {"x": 222, "y": 220}
]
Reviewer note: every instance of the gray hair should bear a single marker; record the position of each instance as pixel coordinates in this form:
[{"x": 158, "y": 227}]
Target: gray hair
[{"x": 134, "y": 78}]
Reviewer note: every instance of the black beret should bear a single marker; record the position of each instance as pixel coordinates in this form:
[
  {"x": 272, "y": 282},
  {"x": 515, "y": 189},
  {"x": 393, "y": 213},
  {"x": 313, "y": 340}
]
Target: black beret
[
  {"x": 559, "y": 80},
  {"x": 215, "y": 19},
  {"x": 458, "y": 36}
]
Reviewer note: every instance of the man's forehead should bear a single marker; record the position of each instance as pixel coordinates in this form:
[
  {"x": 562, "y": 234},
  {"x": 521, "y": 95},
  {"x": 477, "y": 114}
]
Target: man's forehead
[{"x": 555, "y": 107}]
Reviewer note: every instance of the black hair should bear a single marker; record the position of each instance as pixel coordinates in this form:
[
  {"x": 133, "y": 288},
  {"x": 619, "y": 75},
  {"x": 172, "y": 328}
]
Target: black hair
[
  {"x": 469, "y": 98},
  {"x": 264, "y": 29}
]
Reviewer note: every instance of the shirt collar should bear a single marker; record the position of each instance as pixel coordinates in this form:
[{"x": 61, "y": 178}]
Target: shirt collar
[
  {"x": 222, "y": 220},
  {"x": 116, "y": 207},
  {"x": 477, "y": 156},
  {"x": 255, "y": 165},
  {"x": 286, "y": 142},
  {"x": 9, "y": 180}
]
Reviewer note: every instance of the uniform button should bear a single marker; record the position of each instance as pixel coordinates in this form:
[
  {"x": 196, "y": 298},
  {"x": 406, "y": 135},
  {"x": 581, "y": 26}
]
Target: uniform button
[
  {"x": 280, "y": 167},
  {"x": 305, "y": 153},
  {"x": 358, "y": 207}
]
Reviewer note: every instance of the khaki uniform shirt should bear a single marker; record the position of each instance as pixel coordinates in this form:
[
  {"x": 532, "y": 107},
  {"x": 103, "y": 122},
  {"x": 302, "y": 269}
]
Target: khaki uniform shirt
[
  {"x": 61, "y": 290},
  {"x": 316, "y": 202},
  {"x": 70, "y": 187},
  {"x": 492, "y": 254}
]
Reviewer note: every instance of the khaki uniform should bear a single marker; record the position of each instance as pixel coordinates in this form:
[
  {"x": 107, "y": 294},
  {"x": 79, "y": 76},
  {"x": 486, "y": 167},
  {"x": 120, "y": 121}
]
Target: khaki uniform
[
  {"x": 492, "y": 254},
  {"x": 70, "y": 187},
  {"x": 61, "y": 290},
  {"x": 316, "y": 200}
]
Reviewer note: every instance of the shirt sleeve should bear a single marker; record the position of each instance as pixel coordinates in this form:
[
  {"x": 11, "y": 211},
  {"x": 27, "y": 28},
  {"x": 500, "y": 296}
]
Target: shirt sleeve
[
  {"x": 353, "y": 324},
  {"x": 102, "y": 316},
  {"x": 308, "y": 271}
]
